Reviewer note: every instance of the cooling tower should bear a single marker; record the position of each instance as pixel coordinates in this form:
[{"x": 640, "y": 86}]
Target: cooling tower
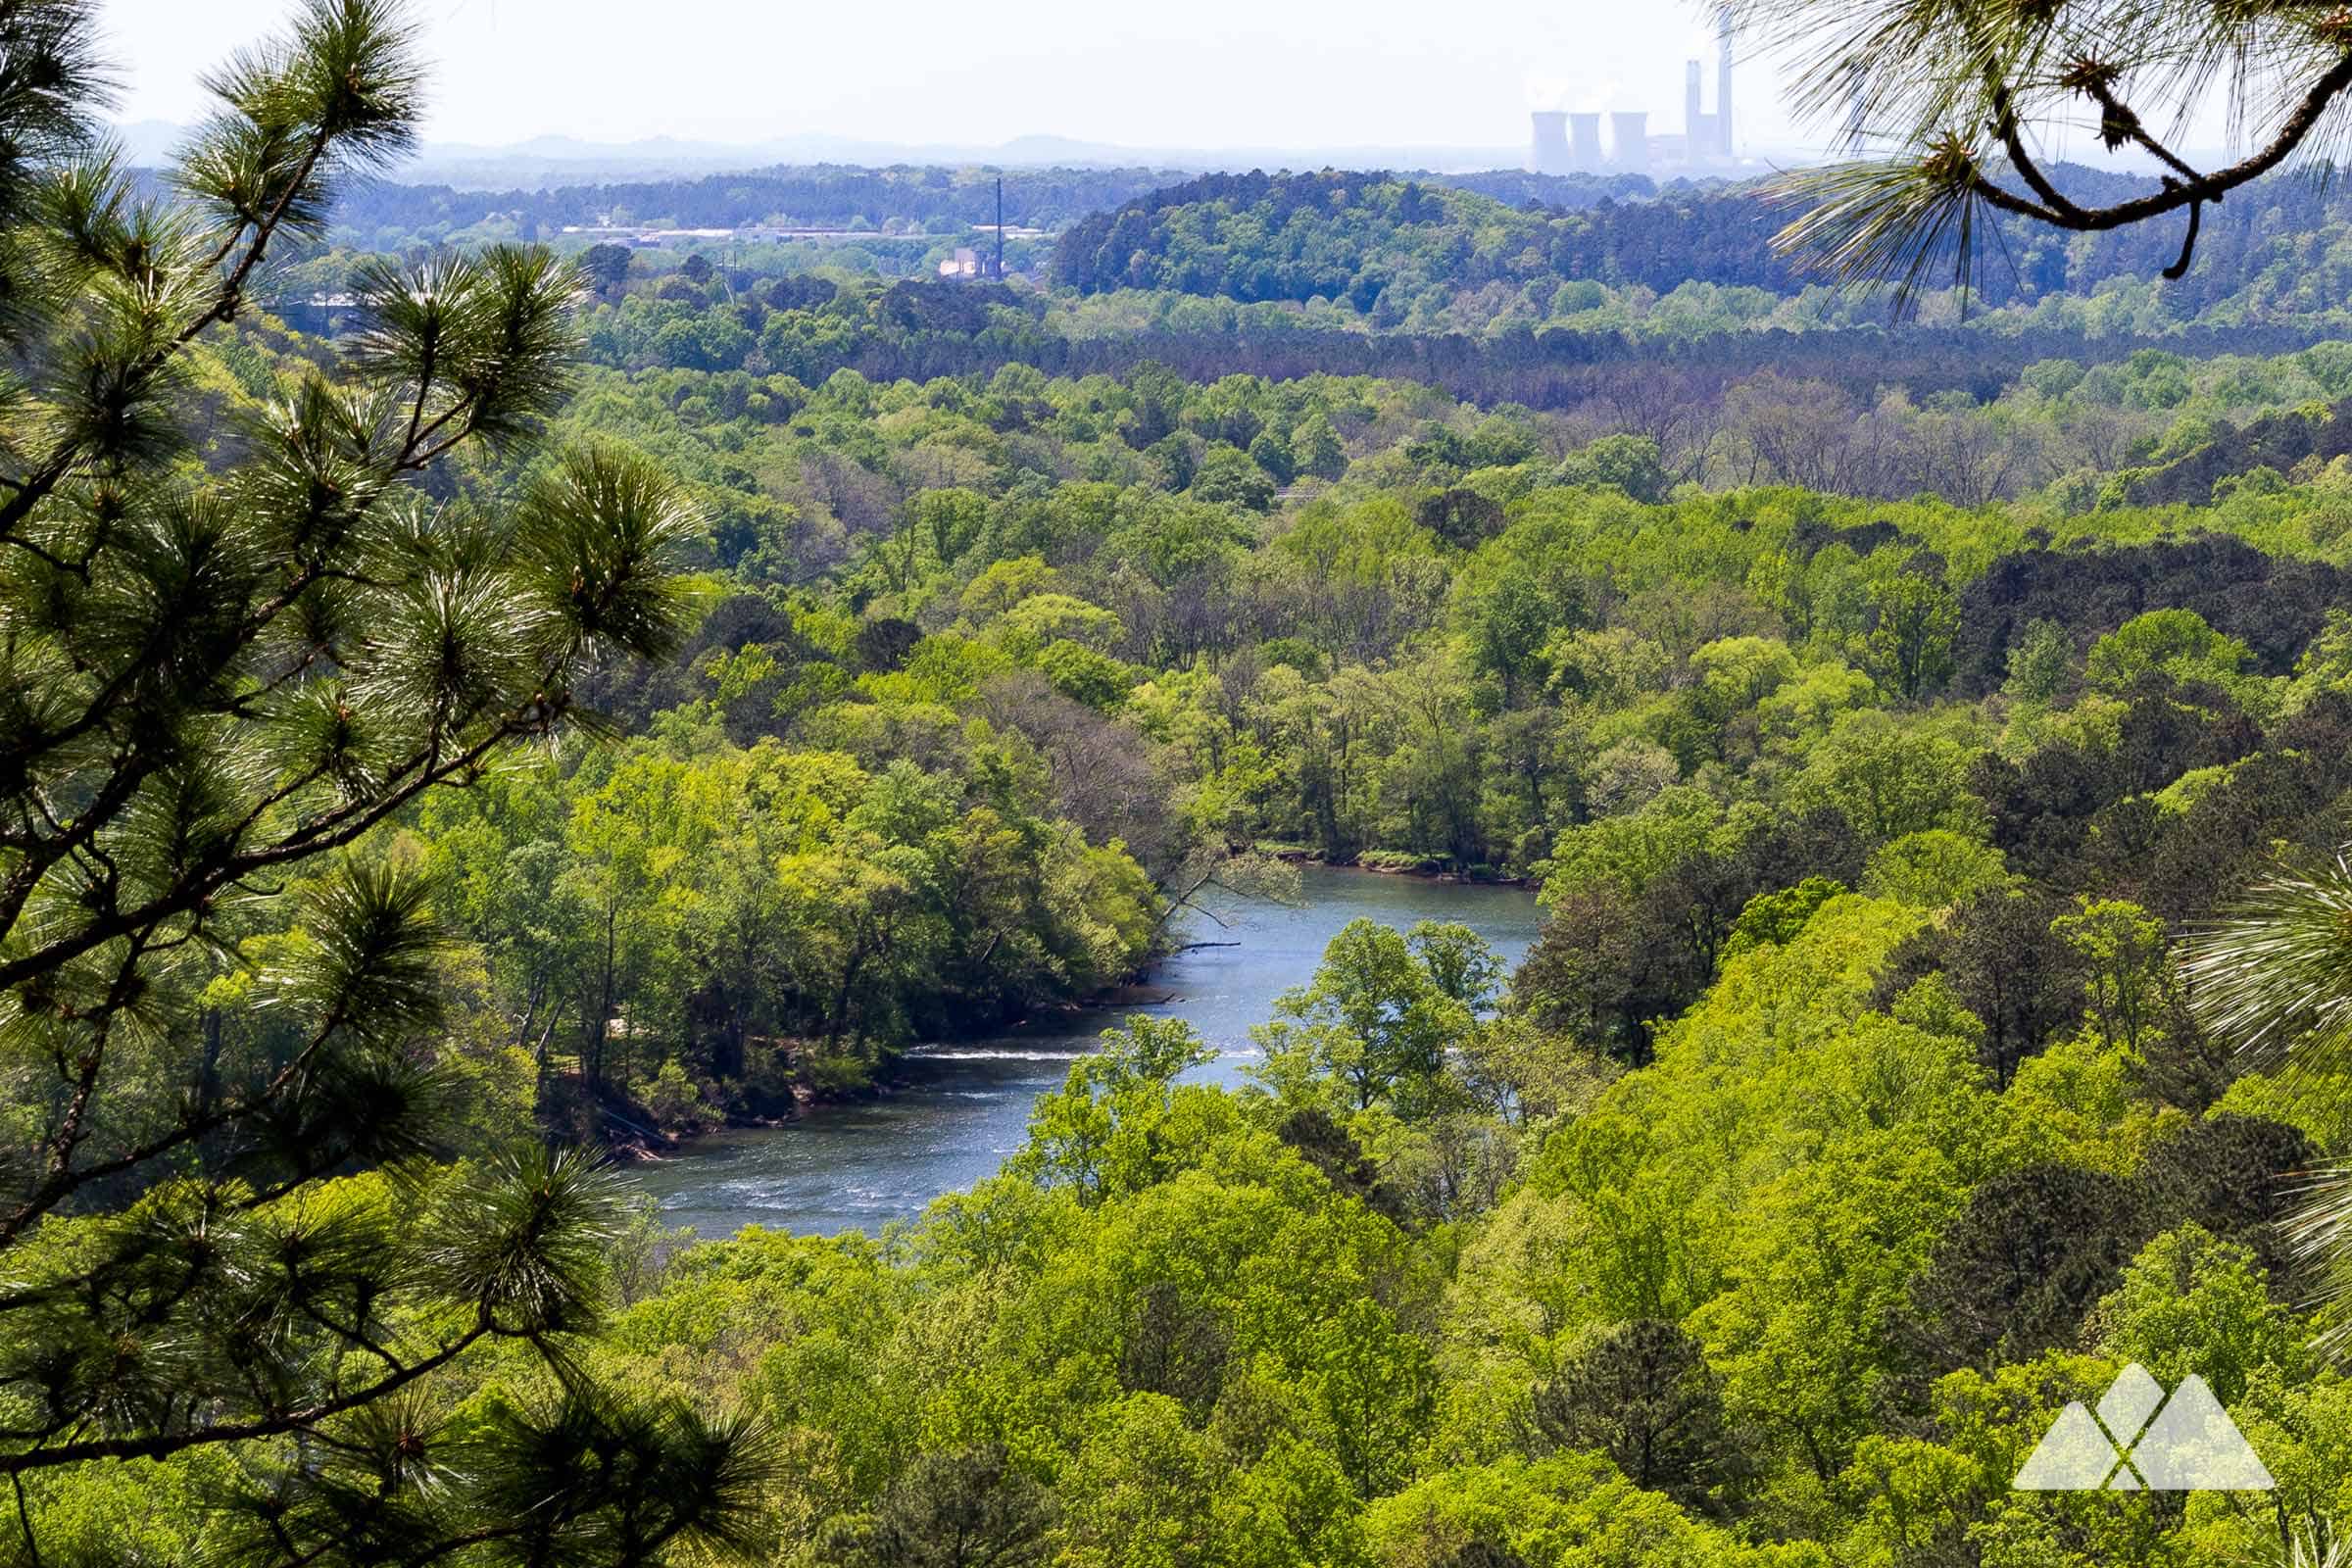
[
  {"x": 1583, "y": 143},
  {"x": 1629, "y": 140},
  {"x": 1551, "y": 151}
]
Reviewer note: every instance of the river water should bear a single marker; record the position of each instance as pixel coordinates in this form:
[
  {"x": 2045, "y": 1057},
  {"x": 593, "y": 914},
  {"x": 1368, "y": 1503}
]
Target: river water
[{"x": 965, "y": 1106}]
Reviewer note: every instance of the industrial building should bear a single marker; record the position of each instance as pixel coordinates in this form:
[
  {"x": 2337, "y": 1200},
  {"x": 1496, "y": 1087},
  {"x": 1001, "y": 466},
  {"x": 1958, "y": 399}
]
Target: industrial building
[{"x": 1570, "y": 143}]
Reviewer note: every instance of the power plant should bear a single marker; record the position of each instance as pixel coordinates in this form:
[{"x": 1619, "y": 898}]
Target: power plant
[{"x": 1567, "y": 143}]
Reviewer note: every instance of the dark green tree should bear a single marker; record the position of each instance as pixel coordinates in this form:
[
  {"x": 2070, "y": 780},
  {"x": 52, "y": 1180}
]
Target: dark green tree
[
  {"x": 214, "y": 997},
  {"x": 1643, "y": 1395},
  {"x": 970, "y": 1509},
  {"x": 606, "y": 265},
  {"x": 1997, "y": 955},
  {"x": 2014, "y": 1274},
  {"x": 1585, "y": 974}
]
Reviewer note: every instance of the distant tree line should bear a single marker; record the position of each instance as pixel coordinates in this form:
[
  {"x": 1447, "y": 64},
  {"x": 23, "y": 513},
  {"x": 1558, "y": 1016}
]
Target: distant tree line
[
  {"x": 820, "y": 195},
  {"x": 1357, "y": 236},
  {"x": 884, "y": 336},
  {"x": 838, "y": 195}
]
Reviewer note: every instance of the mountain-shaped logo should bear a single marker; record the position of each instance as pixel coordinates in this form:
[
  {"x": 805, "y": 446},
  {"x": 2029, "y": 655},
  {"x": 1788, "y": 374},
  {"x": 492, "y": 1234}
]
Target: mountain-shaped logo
[{"x": 2141, "y": 1440}]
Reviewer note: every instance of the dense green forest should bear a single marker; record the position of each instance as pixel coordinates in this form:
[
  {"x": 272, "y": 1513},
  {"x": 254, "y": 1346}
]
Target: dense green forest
[
  {"x": 591, "y": 698},
  {"x": 1430, "y": 253},
  {"x": 1267, "y": 272},
  {"x": 1859, "y": 825},
  {"x": 1283, "y": 277}
]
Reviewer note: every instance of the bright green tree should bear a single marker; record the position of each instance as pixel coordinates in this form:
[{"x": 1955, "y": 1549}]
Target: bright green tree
[
  {"x": 1376, "y": 1020},
  {"x": 1913, "y": 619},
  {"x": 1106, "y": 1129}
]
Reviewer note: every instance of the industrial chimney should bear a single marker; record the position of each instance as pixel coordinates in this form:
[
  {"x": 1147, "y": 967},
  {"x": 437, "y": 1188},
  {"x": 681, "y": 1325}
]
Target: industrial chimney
[
  {"x": 1723, "y": 84},
  {"x": 1583, "y": 143},
  {"x": 996, "y": 267},
  {"x": 1629, "y": 140},
  {"x": 1550, "y": 155},
  {"x": 1698, "y": 133}
]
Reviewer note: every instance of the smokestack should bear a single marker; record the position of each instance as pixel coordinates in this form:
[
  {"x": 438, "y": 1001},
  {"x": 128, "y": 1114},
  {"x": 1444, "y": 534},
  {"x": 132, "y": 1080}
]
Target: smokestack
[
  {"x": 1723, "y": 84},
  {"x": 997, "y": 272},
  {"x": 1583, "y": 143},
  {"x": 1549, "y": 153},
  {"x": 1629, "y": 140},
  {"x": 1695, "y": 119}
]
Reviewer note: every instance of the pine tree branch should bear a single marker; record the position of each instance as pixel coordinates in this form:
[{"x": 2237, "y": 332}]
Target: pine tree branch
[
  {"x": 42, "y": 854},
  {"x": 1833, "y": 227},
  {"x": 35, "y": 488},
  {"x": 2125, "y": 123},
  {"x": 32, "y": 1545},
  {"x": 424, "y": 387},
  {"x": 232, "y": 293},
  {"x": 2057, "y": 209},
  {"x": 333, "y": 831},
  {"x": 162, "y": 1445},
  {"x": 64, "y": 1182},
  {"x": 70, "y": 1129},
  {"x": 2214, "y": 185}
]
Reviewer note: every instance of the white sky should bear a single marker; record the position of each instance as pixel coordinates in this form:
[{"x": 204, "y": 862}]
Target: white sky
[{"x": 1186, "y": 73}]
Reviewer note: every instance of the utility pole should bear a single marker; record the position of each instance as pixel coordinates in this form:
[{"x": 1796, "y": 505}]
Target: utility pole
[{"x": 997, "y": 271}]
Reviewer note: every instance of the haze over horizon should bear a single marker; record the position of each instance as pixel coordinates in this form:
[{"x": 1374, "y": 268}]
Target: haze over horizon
[{"x": 1225, "y": 73}]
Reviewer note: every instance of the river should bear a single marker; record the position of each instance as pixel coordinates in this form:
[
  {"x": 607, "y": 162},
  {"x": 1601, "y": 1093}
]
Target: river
[{"x": 965, "y": 1106}]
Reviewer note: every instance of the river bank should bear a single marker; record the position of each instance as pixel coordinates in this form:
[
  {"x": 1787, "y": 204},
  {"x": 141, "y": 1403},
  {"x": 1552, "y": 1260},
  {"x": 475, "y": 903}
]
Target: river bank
[
  {"x": 630, "y": 1139},
  {"x": 1383, "y": 862},
  {"x": 960, "y": 1108}
]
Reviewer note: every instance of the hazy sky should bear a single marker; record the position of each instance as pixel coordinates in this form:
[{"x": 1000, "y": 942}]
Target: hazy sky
[{"x": 1179, "y": 74}]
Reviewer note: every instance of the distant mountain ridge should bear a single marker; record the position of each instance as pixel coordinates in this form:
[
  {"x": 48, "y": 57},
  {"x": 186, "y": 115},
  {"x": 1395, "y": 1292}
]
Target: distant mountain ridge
[{"x": 548, "y": 160}]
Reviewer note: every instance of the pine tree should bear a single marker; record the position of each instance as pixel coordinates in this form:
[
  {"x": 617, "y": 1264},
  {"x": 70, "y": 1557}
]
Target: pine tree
[
  {"x": 1950, "y": 111},
  {"x": 224, "y": 1227},
  {"x": 2272, "y": 978}
]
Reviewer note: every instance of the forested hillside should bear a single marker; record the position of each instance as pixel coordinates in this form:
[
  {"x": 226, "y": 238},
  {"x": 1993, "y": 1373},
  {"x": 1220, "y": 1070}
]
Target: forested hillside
[
  {"x": 1356, "y": 237},
  {"x": 1859, "y": 826},
  {"x": 1467, "y": 298}
]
